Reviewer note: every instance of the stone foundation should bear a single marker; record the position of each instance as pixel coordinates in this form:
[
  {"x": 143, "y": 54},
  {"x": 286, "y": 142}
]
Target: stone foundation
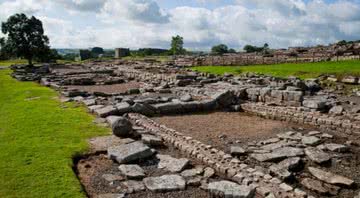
[
  {"x": 298, "y": 115},
  {"x": 224, "y": 164}
]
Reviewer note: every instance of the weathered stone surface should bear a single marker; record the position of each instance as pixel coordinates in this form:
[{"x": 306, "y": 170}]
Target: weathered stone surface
[
  {"x": 237, "y": 150},
  {"x": 168, "y": 108},
  {"x": 172, "y": 164},
  {"x": 209, "y": 172},
  {"x": 310, "y": 140},
  {"x": 133, "y": 186},
  {"x": 165, "y": 183},
  {"x": 132, "y": 171},
  {"x": 330, "y": 177},
  {"x": 278, "y": 154},
  {"x": 224, "y": 98},
  {"x": 101, "y": 144},
  {"x": 123, "y": 107},
  {"x": 317, "y": 155},
  {"x": 110, "y": 195},
  {"x": 283, "y": 168},
  {"x": 286, "y": 187},
  {"x": 194, "y": 181},
  {"x": 314, "y": 185},
  {"x": 314, "y": 104},
  {"x": 186, "y": 98},
  {"x": 231, "y": 189},
  {"x": 144, "y": 109},
  {"x": 152, "y": 140},
  {"x": 112, "y": 177},
  {"x": 106, "y": 111},
  {"x": 121, "y": 127},
  {"x": 337, "y": 148},
  {"x": 192, "y": 172},
  {"x": 129, "y": 152},
  {"x": 336, "y": 110}
]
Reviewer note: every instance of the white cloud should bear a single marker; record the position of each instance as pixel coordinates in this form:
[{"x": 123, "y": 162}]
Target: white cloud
[{"x": 143, "y": 23}]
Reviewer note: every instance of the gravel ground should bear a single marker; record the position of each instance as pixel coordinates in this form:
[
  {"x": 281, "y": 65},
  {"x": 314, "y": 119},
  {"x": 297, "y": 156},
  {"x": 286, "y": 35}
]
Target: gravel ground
[
  {"x": 242, "y": 127},
  {"x": 109, "y": 89}
]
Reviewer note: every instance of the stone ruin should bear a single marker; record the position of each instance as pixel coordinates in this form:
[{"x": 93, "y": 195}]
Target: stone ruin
[
  {"x": 334, "y": 52},
  {"x": 144, "y": 158}
]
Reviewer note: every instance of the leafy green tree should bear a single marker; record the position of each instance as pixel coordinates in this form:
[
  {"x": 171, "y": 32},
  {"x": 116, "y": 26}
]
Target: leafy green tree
[
  {"x": 177, "y": 45},
  {"x": 219, "y": 49},
  {"x": 97, "y": 50},
  {"x": 232, "y": 50},
  {"x": 25, "y": 37}
]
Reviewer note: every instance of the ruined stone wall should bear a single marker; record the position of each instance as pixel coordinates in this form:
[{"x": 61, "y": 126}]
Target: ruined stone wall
[
  {"x": 300, "y": 116},
  {"x": 252, "y": 59}
]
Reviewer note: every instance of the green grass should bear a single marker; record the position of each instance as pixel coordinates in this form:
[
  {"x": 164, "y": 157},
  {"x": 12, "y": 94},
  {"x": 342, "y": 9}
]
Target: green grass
[
  {"x": 302, "y": 70},
  {"x": 7, "y": 63},
  {"x": 38, "y": 138}
]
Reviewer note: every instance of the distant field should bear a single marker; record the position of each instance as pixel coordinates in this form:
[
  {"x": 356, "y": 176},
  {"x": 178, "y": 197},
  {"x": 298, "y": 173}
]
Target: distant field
[
  {"x": 302, "y": 70},
  {"x": 6, "y": 63}
]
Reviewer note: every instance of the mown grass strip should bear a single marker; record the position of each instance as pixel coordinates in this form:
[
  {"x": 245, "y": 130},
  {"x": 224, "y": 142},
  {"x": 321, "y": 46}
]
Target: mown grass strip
[{"x": 38, "y": 138}]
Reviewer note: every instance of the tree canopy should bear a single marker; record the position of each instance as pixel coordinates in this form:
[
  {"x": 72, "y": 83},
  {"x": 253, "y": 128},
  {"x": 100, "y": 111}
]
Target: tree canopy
[
  {"x": 219, "y": 49},
  {"x": 251, "y": 48},
  {"x": 177, "y": 45},
  {"x": 97, "y": 50},
  {"x": 25, "y": 37}
]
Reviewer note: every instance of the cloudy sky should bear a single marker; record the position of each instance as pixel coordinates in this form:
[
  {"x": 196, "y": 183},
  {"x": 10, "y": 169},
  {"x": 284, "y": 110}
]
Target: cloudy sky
[{"x": 202, "y": 23}]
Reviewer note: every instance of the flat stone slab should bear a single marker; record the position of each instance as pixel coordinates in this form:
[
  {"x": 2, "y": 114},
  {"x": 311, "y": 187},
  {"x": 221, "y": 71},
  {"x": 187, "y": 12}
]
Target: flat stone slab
[
  {"x": 106, "y": 111},
  {"x": 311, "y": 140},
  {"x": 129, "y": 152},
  {"x": 110, "y": 195},
  {"x": 101, "y": 144},
  {"x": 132, "y": 171},
  {"x": 317, "y": 155},
  {"x": 231, "y": 189},
  {"x": 278, "y": 154},
  {"x": 330, "y": 178},
  {"x": 133, "y": 186},
  {"x": 172, "y": 164},
  {"x": 165, "y": 183},
  {"x": 337, "y": 148},
  {"x": 237, "y": 150},
  {"x": 152, "y": 140}
]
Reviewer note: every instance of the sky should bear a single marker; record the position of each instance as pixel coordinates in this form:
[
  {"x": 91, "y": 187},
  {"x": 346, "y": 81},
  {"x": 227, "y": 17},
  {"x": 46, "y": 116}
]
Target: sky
[{"x": 202, "y": 23}]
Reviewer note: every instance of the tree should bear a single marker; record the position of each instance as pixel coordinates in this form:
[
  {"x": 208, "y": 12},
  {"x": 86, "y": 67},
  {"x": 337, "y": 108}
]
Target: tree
[
  {"x": 25, "y": 37},
  {"x": 219, "y": 49},
  {"x": 232, "y": 50},
  {"x": 97, "y": 50},
  {"x": 177, "y": 44}
]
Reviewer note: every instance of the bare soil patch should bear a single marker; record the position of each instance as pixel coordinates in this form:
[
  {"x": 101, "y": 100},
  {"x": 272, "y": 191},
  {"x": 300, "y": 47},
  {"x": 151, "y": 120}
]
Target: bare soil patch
[
  {"x": 109, "y": 89},
  {"x": 221, "y": 129}
]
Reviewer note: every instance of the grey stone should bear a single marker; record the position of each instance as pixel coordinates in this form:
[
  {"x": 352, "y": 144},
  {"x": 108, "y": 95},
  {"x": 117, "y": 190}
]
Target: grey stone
[
  {"x": 165, "y": 183},
  {"x": 152, "y": 140},
  {"x": 144, "y": 109},
  {"x": 195, "y": 181},
  {"x": 278, "y": 154},
  {"x": 237, "y": 150},
  {"x": 317, "y": 155},
  {"x": 224, "y": 98},
  {"x": 89, "y": 102},
  {"x": 286, "y": 187},
  {"x": 314, "y": 185},
  {"x": 312, "y": 133},
  {"x": 123, "y": 107},
  {"x": 336, "y": 110},
  {"x": 112, "y": 177},
  {"x": 192, "y": 172},
  {"x": 337, "y": 148},
  {"x": 106, "y": 111},
  {"x": 132, "y": 171},
  {"x": 282, "y": 173},
  {"x": 172, "y": 164},
  {"x": 231, "y": 189},
  {"x": 129, "y": 152},
  {"x": 209, "y": 172},
  {"x": 186, "y": 98},
  {"x": 283, "y": 168},
  {"x": 314, "y": 104},
  {"x": 169, "y": 108},
  {"x": 111, "y": 195},
  {"x": 121, "y": 127},
  {"x": 133, "y": 186},
  {"x": 310, "y": 140},
  {"x": 330, "y": 177}
]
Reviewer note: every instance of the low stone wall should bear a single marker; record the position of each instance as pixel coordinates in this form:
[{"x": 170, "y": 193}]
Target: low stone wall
[
  {"x": 301, "y": 116},
  {"x": 227, "y": 166}
]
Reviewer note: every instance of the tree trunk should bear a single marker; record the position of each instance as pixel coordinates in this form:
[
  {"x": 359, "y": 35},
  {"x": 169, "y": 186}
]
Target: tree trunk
[{"x": 30, "y": 61}]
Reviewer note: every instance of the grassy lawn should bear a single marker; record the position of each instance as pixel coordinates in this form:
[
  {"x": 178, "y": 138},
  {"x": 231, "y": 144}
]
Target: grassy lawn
[
  {"x": 6, "y": 63},
  {"x": 302, "y": 70},
  {"x": 38, "y": 138}
]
